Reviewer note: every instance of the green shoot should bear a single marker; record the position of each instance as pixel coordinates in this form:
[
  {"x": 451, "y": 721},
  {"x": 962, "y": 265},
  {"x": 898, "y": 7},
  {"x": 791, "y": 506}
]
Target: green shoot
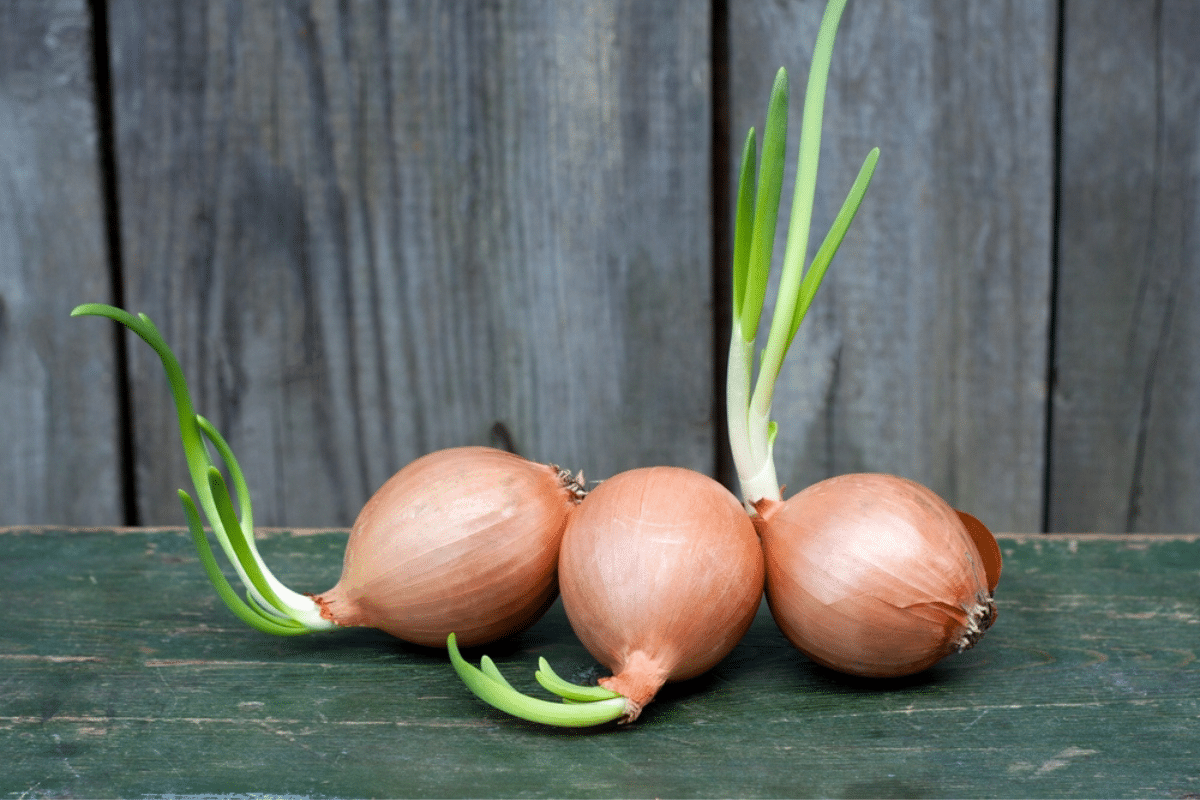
[
  {"x": 751, "y": 431},
  {"x": 270, "y": 606},
  {"x": 569, "y": 691},
  {"x": 766, "y": 207},
  {"x": 580, "y": 706}
]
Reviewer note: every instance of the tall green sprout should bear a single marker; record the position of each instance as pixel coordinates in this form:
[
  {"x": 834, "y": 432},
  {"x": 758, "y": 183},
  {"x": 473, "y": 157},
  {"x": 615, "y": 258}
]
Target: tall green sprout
[
  {"x": 269, "y": 606},
  {"x": 751, "y": 431}
]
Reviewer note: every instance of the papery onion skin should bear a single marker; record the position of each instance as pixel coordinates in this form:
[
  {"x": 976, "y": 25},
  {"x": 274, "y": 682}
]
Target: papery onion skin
[
  {"x": 661, "y": 574},
  {"x": 462, "y": 540},
  {"x": 875, "y": 575}
]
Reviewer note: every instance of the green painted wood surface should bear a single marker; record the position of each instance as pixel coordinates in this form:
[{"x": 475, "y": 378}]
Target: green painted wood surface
[{"x": 121, "y": 675}]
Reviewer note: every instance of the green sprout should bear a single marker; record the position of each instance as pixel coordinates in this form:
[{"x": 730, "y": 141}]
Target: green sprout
[
  {"x": 579, "y": 706},
  {"x": 269, "y": 606},
  {"x": 751, "y": 431}
]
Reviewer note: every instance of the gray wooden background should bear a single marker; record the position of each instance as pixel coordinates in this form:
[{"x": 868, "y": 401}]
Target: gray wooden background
[{"x": 375, "y": 229}]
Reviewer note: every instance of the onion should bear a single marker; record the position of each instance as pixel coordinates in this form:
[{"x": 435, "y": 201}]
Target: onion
[
  {"x": 465, "y": 539},
  {"x": 869, "y": 574},
  {"x": 661, "y": 575},
  {"x": 875, "y": 575}
]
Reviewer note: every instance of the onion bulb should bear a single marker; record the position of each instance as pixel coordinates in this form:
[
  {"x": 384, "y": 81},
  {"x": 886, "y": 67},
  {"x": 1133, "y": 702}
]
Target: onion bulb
[
  {"x": 661, "y": 574},
  {"x": 875, "y": 575},
  {"x": 465, "y": 539}
]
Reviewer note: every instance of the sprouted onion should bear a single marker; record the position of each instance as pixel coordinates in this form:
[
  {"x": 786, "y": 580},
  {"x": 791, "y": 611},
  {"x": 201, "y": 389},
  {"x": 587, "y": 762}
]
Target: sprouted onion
[
  {"x": 873, "y": 575},
  {"x": 464, "y": 539},
  {"x": 876, "y": 576},
  {"x": 661, "y": 574}
]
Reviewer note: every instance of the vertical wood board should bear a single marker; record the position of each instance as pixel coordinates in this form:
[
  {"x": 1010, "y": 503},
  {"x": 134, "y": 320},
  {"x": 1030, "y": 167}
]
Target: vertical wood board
[
  {"x": 924, "y": 353},
  {"x": 58, "y": 422},
  {"x": 372, "y": 231},
  {"x": 1126, "y": 439}
]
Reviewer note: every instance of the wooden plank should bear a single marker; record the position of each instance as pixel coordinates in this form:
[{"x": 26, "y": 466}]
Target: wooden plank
[
  {"x": 59, "y": 461},
  {"x": 1126, "y": 439},
  {"x": 925, "y": 352},
  {"x": 125, "y": 677},
  {"x": 372, "y": 231}
]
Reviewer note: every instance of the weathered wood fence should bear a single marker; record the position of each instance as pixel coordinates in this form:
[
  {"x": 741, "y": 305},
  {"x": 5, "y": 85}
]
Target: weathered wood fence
[{"x": 374, "y": 229}]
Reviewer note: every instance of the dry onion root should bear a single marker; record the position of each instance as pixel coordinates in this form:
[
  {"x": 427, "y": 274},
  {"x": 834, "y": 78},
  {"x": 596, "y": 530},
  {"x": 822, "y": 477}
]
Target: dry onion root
[
  {"x": 661, "y": 574},
  {"x": 464, "y": 539},
  {"x": 868, "y": 574}
]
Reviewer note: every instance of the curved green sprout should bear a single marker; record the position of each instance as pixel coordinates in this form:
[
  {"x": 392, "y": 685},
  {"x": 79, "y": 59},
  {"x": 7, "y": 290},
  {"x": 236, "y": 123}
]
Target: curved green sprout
[
  {"x": 580, "y": 706},
  {"x": 751, "y": 431},
  {"x": 269, "y": 606}
]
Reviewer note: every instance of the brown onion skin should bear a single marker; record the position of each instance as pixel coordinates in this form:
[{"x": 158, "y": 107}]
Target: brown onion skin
[
  {"x": 875, "y": 575},
  {"x": 462, "y": 540},
  {"x": 661, "y": 574}
]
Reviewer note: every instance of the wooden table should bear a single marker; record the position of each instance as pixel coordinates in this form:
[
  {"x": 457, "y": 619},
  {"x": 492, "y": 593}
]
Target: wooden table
[{"x": 121, "y": 675}]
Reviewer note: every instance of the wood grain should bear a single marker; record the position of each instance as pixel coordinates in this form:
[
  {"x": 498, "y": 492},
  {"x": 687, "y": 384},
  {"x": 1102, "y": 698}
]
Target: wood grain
[
  {"x": 1127, "y": 425},
  {"x": 58, "y": 420},
  {"x": 124, "y": 677},
  {"x": 373, "y": 231},
  {"x": 925, "y": 352}
]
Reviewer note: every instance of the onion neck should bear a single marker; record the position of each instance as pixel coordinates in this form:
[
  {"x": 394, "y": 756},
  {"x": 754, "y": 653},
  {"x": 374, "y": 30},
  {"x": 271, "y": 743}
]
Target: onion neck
[
  {"x": 751, "y": 434},
  {"x": 638, "y": 681}
]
